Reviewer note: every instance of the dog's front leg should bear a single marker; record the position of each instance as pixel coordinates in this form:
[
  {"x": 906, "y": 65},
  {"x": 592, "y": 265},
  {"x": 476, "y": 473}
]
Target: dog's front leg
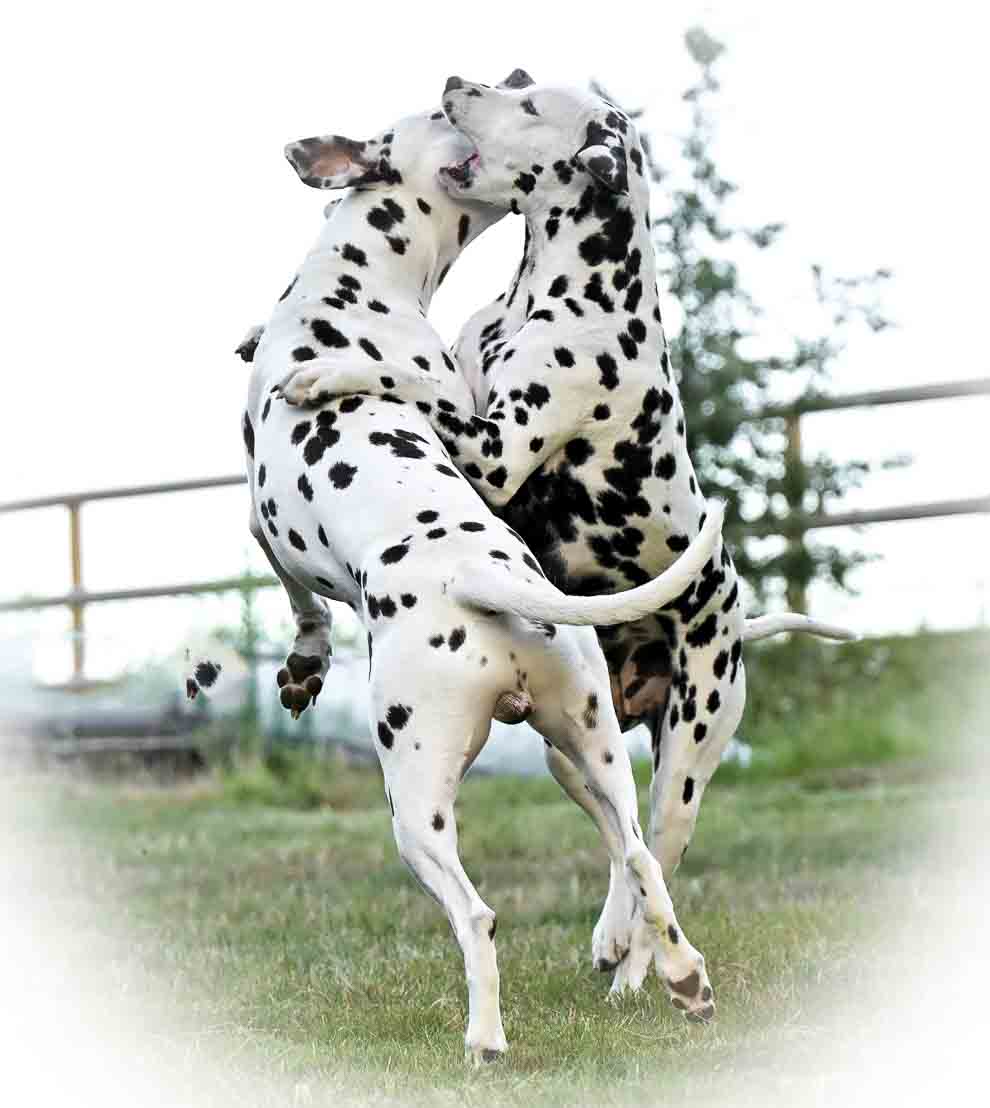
[
  {"x": 301, "y": 678},
  {"x": 315, "y": 382},
  {"x": 494, "y": 452}
]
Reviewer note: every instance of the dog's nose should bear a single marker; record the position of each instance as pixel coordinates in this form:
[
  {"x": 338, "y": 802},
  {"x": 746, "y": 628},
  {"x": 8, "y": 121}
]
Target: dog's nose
[{"x": 452, "y": 84}]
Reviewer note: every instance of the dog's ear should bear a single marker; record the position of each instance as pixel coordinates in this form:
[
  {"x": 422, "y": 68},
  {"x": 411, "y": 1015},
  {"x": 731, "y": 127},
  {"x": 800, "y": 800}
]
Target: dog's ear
[
  {"x": 604, "y": 156},
  {"x": 518, "y": 78},
  {"x": 607, "y": 164},
  {"x": 334, "y": 162}
]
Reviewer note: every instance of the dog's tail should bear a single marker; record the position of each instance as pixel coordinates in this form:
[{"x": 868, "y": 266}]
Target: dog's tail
[
  {"x": 483, "y": 586},
  {"x": 763, "y": 627}
]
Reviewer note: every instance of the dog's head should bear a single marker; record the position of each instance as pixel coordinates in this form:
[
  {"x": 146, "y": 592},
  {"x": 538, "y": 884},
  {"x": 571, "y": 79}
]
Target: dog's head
[
  {"x": 407, "y": 153},
  {"x": 405, "y": 157},
  {"x": 531, "y": 143}
]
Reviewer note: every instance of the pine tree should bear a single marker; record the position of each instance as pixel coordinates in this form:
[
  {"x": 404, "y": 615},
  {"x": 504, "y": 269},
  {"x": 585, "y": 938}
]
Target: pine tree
[{"x": 740, "y": 455}]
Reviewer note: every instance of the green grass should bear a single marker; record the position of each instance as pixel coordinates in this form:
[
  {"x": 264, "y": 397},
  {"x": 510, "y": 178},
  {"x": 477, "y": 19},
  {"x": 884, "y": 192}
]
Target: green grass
[
  {"x": 270, "y": 908},
  {"x": 303, "y": 936}
]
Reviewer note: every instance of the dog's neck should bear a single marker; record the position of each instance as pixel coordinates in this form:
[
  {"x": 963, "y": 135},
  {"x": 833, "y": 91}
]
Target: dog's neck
[
  {"x": 601, "y": 245},
  {"x": 384, "y": 237}
]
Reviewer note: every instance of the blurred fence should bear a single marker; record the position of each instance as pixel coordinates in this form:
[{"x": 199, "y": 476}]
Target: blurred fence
[{"x": 793, "y": 527}]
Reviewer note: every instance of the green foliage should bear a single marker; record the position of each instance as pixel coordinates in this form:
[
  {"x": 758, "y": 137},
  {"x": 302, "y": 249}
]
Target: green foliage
[{"x": 739, "y": 454}]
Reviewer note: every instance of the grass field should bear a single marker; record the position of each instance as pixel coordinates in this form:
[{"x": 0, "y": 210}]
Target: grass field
[{"x": 284, "y": 928}]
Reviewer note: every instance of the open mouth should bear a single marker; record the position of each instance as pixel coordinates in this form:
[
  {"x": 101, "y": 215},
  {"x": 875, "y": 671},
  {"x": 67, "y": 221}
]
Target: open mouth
[{"x": 462, "y": 173}]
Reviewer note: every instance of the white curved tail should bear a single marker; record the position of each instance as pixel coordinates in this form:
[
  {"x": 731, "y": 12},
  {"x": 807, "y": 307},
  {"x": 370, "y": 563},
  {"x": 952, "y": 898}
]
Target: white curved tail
[
  {"x": 483, "y": 586},
  {"x": 763, "y": 627}
]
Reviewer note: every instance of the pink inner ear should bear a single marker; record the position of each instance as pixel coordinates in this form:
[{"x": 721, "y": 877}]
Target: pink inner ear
[{"x": 331, "y": 162}]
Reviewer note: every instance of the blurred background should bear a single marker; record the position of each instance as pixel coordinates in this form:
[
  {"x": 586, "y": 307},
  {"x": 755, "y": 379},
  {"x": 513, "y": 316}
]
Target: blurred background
[{"x": 816, "y": 198}]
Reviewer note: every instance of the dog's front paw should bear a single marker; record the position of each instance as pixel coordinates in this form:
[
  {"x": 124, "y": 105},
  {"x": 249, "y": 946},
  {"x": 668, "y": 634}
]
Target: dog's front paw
[
  {"x": 300, "y": 682},
  {"x": 302, "y": 387}
]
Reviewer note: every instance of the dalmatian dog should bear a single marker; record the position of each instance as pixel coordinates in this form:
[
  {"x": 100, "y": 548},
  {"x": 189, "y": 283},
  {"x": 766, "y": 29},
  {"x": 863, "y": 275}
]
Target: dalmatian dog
[
  {"x": 357, "y": 500},
  {"x": 583, "y": 450}
]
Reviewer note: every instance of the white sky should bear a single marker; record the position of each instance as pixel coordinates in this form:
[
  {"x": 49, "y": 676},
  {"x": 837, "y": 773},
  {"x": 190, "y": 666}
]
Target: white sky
[{"x": 150, "y": 217}]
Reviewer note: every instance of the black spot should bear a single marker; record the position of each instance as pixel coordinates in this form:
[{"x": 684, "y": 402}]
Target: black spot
[
  {"x": 528, "y": 107},
  {"x": 601, "y": 411},
  {"x": 342, "y": 474},
  {"x": 297, "y": 540},
  {"x": 394, "y": 554},
  {"x": 370, "y": 349},
  {"x": 436, "y": 533},
  {"x": 700, "y": 731},
  {"x": 558, "y": 286},
  {"x": 378, "y": 306},
  {"x": 526, "y": 182},
  {"x": 578, "y": 451},
  {"x": 591, "y": 712},
  {"x": 427, "y": 517},
  {"x": 666, "y": 467},
  {"x": 398, "y": 716},
  {"x": 206, "y": 673},
  {"x": 304, "y": 354},
  {"x": 304, "y": 487},
  {"x": 436, "y": 640},
  {"x": 408, "y": 600},
  {"x": 423, "y": 206},
  {"x": 564, "y": 356},
  {"x": 609, "y": 378},
  {"x": 688, "y": 790},
  {"x": 446, "y": 471},
  {"x": 248, "y": 431},
  {"x": 629, "y": 348},
  {"x": 397, "y": 244},
  {"x": 400, "y": 447},
  {"x": 327, "y": 334},
  {"x": 463, "y": 226},
  {"x": 322, "y": 535},
  {"x": 704, "y": 633},
  {"x": 385, "y": 736},
  {"x": 438, "y": 823},
  {"x": 672, "y": 934},
  {"x": 457, "y": 637},
  {"x": 354, "y": 254},
  {"x": 262, "y": 474}
]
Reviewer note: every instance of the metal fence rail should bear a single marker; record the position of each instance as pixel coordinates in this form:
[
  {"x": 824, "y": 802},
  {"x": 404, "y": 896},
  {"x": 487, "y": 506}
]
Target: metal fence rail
[{"x": 792, "y": 526}]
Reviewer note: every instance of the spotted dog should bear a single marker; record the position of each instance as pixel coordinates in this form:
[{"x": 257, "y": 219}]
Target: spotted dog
[
  {"x": 584, "y": 451},
  {"x": 358, "y": 501}
]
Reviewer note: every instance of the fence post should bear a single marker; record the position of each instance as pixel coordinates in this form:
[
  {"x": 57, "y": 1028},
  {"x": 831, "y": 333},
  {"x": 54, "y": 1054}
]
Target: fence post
[
  {"x": 797, "y": 599},
  {"x": 77, "y": 609}
]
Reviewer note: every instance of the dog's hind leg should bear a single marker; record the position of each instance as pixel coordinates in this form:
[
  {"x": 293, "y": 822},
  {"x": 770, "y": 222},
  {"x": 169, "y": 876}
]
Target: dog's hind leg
[
  {"x": 425, "y": 743},
  {"x": 705, "y": 706},
  {"x": 301, "y": 678},
  {"x": 611, "y": 938},
  {"x": 581, "y": 721}
]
